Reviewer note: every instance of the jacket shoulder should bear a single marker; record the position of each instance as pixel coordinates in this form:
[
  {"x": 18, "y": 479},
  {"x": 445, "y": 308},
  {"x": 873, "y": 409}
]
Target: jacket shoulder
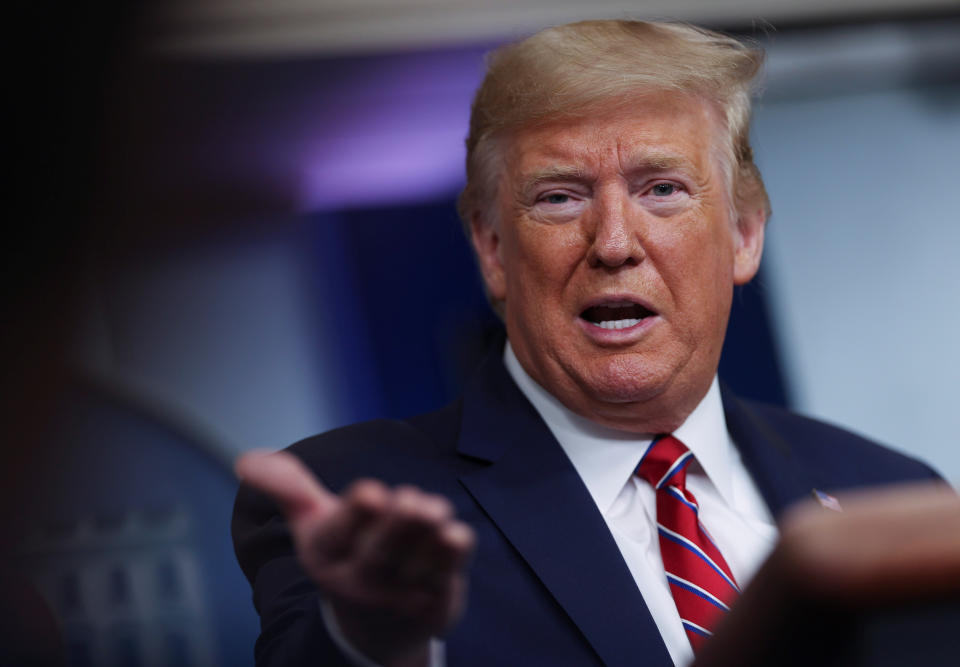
[
  {"x": 850, "y": 458},
  {"x": 391, "y": 450}
]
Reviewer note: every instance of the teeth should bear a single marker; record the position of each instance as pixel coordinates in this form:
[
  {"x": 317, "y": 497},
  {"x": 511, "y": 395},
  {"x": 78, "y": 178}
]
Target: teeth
[{"x": 617, "y": 324}]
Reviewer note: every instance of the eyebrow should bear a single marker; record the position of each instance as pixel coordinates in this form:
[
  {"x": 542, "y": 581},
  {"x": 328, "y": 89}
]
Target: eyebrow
[
  {"x": 554, "y": 173},
  {"x": 657, "y": 161},
  {"x": 646, "y": 161}
]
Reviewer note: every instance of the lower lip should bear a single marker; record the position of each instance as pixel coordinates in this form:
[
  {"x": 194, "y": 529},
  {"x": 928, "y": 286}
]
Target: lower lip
[{"x": 617, "y": 336}]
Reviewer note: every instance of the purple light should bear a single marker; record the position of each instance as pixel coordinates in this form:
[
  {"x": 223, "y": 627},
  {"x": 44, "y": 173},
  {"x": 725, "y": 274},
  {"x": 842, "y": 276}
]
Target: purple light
[
  {"x": 384, "y": 164},
  {"x": 391, "y": 131}
]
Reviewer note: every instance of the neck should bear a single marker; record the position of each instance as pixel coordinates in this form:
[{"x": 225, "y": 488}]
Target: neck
[{"x": 661, "y": 413}]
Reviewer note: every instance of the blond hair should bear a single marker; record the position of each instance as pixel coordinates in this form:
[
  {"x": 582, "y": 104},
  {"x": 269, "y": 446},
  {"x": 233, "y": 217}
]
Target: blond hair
[{"x": 568, "y": 70}]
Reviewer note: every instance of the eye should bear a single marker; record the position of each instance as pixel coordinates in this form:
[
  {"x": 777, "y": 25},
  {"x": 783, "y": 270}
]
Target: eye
[
  {"x": 664, "y": 189},
  {"x": 557, "y": 205}
]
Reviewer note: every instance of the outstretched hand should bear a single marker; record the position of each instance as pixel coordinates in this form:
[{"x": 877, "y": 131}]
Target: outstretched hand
[{"x": 391, "y": 562}]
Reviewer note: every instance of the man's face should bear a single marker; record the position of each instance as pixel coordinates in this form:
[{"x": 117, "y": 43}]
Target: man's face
[{"x": 615, "y": 256}]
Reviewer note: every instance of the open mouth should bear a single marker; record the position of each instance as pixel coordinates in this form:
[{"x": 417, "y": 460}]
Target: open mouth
[{"x": 618, "y": 315}]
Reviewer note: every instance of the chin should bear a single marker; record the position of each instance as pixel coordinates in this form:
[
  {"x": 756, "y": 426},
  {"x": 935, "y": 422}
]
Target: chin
[{"x": 629, "y": 380}]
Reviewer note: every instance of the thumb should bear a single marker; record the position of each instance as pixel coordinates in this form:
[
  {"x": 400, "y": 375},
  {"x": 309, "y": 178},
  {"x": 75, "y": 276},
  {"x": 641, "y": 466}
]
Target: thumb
[{"x": 284, "y": 478}]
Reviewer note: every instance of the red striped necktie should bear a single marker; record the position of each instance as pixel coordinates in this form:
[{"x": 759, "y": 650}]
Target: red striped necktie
[{"x": 700, "y": 579}]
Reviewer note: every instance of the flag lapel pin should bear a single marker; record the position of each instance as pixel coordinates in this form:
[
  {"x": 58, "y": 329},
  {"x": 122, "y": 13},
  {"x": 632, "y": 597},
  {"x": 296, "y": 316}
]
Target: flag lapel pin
[{"x": 827, "y": 501}]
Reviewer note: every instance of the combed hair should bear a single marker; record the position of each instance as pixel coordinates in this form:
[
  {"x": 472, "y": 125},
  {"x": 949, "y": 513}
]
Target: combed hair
[{"x": 569, "y": 70}]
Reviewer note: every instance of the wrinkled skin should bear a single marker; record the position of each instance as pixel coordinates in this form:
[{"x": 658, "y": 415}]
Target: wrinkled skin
[{"x": 626, "y": 205}]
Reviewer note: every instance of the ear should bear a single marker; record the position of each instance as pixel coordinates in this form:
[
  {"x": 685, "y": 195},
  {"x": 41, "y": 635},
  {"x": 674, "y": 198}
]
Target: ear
[
  {"x": 749, "y": 244},
  {"x": 486, "y": 243}
]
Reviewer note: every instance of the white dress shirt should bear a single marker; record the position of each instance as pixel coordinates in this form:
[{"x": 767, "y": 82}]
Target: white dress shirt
[{"x": 731, "y": 507}]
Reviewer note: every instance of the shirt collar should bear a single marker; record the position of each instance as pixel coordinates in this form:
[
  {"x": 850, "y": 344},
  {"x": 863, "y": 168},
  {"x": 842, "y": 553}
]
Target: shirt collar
[{"x": 605, "y": 458}]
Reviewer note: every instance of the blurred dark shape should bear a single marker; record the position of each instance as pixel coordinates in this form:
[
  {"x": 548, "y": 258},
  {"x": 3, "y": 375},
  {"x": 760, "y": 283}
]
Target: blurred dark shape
[
  {"x": 168, "y": 581},
  {"x": 874, "y": 585},
  {"x": 58, "y": 85},
  {"x": 751, "y": 362},
  {"x": 406, "y": 276},
  {"x": 57, "y": 81},
  {"x": 98, "y": 489},
  {"x": 70, "y": 598},
  {"x": 118, "y": 586},
  {"x": 146, "y": 568},
  {"x": 29, "y": 630},
  {"x": 125, "y": 649}
]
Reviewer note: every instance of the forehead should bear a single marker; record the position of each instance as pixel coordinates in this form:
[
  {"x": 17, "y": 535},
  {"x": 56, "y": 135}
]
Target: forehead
[{"x": 668, "y": 130}]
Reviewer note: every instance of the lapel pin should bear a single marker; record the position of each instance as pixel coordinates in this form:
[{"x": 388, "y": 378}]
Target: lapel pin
[{"x": 827, "y": 501}]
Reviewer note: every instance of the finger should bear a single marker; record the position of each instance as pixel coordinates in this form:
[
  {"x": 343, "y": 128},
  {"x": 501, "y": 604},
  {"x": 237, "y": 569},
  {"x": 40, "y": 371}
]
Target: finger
[
  {"x": 435, "y": 581},
  {"x": 425, "y": 564},
  {"x": 405, "y": 541},
  {"x": 336, "y": 538},
  {"x": 408, "y": 555},
  {"x": 442, "y": 557},
  {"x": 392, "y": 539},
  {"x": 458, "y": 540},
  {"x": 283, "y": 477}
]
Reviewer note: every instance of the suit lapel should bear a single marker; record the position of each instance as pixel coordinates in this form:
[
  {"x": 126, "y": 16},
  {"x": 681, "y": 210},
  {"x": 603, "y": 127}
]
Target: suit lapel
[
  {"x": 780, "y": 475},
  {"x": 533, "y": 494}
]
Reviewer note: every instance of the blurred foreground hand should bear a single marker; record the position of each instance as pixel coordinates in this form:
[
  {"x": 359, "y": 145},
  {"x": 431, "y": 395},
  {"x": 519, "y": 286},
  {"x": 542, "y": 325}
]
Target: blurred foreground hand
[
  {"x": 877, "y": 583},
  {"x": 390, "y": 562}
]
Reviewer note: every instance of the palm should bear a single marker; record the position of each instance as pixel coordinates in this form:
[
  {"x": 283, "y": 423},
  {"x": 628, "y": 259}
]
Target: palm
[{"x": 391, "y": 562}]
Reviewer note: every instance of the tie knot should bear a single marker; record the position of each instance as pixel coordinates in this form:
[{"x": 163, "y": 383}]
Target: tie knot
[{"x": 665, "y": 462}]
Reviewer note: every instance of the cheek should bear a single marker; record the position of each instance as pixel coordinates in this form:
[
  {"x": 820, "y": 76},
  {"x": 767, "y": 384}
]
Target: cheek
[
  {"x": 715, "y": 284},
  {"x": 547, "y": 256},
  {"x": 530, "y": 287},
  {"x": 696, "y": 264}
]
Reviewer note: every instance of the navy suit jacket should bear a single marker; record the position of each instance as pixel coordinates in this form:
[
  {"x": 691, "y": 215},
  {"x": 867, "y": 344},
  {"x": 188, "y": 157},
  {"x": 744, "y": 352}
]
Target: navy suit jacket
[{"x": 548, "y": 585}]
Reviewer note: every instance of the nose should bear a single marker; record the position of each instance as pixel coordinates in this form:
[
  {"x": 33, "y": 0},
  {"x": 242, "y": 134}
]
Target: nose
[{"x": 615, "y": 241}]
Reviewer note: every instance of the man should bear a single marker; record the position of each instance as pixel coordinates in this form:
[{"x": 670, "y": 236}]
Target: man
[{"x": 613, "y": 205}]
